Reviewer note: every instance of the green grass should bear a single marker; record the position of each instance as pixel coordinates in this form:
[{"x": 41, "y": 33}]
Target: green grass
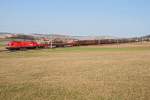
[
  {"x": 102, "y": 49},
  {"x": 44, "y": 52}
]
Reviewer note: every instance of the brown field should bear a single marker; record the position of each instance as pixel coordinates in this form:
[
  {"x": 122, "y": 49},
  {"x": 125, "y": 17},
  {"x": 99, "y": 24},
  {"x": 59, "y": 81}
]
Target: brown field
[{"x": 108, "y": 72}]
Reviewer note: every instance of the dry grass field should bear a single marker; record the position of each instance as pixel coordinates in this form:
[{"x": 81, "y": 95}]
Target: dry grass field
[{"x": 80, "y": 73}]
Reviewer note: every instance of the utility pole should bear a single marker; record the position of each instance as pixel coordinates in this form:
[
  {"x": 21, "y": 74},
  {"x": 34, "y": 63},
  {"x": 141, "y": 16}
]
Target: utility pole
[
  {"x": 99, "y": 41},
  {"x": 117, "y": 43},
  {"x": 51, "y": 42}
]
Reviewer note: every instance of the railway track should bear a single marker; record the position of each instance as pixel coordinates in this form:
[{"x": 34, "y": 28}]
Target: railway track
[{"x": 5, "y": 51}]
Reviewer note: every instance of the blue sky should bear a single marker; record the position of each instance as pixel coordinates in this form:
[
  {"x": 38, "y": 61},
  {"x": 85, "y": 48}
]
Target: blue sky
[{"x": 76, "y": 17}]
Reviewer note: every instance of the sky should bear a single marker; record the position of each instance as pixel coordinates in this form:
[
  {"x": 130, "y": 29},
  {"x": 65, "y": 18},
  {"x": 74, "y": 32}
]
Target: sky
[{"x": 123, "y": 18}]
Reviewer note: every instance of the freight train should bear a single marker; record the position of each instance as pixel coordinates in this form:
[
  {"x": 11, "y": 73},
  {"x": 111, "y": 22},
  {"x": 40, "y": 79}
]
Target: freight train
[
  {"x": 18, "y": 45},
  {"x": 21, "y": 45}
]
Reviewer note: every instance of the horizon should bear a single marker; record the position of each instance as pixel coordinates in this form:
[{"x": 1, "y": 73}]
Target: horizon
[
  {"x": 76, "y": 18},
  {"x": 76, "y": 35}
]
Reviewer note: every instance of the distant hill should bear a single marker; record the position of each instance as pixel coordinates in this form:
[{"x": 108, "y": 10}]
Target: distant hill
[
  {"x": 72, "y": 37},
  {"x": 32, "y": 36},
  {"x": 51, "y": 36},
  {"x": 147, "y": 36},
  {"x": 6, "y": 35},
  {"x": 93, "y": 37}
]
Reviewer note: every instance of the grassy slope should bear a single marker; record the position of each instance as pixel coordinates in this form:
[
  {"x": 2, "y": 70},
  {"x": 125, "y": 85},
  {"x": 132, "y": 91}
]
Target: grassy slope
[{"x": 80, "y": 73}]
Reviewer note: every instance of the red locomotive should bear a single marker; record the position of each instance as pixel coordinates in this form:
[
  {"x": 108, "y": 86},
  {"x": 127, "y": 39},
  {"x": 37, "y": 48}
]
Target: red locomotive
[{"x": 17, "y": 45}]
